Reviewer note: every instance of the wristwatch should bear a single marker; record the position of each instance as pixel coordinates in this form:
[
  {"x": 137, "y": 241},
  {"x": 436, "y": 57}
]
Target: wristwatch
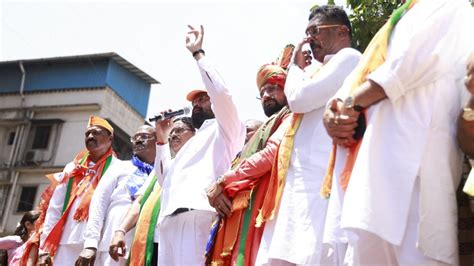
[
  {"x": 468, "y": 114},
  {"x": 349, "y": 104}
]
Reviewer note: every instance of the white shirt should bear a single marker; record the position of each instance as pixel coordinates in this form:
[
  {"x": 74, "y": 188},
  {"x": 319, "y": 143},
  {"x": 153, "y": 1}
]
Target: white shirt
[
  {"x": 73, "y": 232},
  {"x": 205, "y": 156},
  {"x": 411, "y": 134},
  {"x": 109, "y": 204},
  {"x": 295, "y": 234}
]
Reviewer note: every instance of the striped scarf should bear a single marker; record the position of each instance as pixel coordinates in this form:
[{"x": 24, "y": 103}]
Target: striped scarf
[
  {"x": 150, "y": 206},
  {"x": 82, "y": 180}
]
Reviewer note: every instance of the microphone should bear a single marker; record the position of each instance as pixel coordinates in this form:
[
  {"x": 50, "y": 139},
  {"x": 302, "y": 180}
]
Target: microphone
[{"x": 186, "y": 110}]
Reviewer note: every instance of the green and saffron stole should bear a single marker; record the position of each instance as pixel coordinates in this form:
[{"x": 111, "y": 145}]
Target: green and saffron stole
[
  {"x": 373, "y": 57},
  {"x": 237, "y": 238},
  {"x": 141, "y": 251}
]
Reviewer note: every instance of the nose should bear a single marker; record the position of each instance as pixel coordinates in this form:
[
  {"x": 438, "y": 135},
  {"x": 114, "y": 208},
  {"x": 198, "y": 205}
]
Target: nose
[{"x": 266, "y": 95}]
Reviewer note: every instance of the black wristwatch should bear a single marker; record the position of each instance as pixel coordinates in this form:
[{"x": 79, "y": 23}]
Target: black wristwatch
[{"x": 349, "y": 104}]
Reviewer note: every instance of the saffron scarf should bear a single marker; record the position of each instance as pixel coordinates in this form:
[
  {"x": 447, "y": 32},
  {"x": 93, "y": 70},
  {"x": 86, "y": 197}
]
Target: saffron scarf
[
  {"x": 80, "y": 181},
  {"x": 150, "y": 206},
  {"x": 373, "y": 57},
  {"x": 247, "y": 199},
  {"x": 45, "y": 198}
]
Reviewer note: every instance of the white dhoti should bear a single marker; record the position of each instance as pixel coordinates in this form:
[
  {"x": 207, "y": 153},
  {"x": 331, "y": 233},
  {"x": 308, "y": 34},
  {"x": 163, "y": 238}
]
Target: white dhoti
[
  {"x": 366, "y": 248},
  {"x": 183, "y": 238}
]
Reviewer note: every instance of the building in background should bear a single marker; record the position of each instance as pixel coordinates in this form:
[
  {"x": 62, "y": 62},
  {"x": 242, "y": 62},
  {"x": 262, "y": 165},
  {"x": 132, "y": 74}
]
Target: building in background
[{"x": 44, "y": 108}]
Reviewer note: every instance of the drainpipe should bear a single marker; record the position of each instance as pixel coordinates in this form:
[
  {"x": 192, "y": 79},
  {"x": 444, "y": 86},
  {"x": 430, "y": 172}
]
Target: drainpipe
[
  {"x": 15, "y": 152},
  {"x": 22, "y": 84}
]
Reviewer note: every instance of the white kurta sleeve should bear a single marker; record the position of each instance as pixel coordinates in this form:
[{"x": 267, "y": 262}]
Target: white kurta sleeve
[
  {"x": 162, "y": 163},
  {"x": 427, "y": 51},
  {"x": 223, "y": 106},
  {"x": 305, "y": 94},
  {"x": 100, "y": 203},
  {"x": 55, "y": 207}
]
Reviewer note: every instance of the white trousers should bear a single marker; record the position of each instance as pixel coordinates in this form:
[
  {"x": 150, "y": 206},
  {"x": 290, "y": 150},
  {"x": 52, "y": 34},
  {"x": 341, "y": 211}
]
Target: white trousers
[
  {"x": 366, "y": 248},
  {"x": 183, "y": 238},
  {"x": 67, "y": 254}
]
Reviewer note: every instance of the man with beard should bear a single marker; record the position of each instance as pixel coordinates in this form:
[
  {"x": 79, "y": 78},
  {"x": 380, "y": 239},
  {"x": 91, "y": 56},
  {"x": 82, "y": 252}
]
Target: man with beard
[
  {"x": 68, "y": 211},
  {"x": 238, "y": 194},
  {"x": 113, "y": 198},
  {"x": 185, "y": 216},
  {"x": 294, "y": 235}
]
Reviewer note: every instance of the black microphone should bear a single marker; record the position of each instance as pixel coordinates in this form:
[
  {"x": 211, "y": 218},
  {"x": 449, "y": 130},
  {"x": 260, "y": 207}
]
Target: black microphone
[{"x": 186, "y": 110}]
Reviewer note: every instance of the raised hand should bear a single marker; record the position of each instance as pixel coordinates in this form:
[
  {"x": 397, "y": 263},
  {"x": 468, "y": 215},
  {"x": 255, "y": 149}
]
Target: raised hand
[{"x": 194, "y": 39}]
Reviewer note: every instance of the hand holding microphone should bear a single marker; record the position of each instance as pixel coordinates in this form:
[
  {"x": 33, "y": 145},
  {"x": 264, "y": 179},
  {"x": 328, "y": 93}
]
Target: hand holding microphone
[{"x": 169, "y": 114}]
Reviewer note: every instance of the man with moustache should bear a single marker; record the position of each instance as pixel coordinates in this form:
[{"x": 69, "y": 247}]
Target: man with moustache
[
  {"x": 185, "y": 215},
  {"x": 141, "y": 213},
  {"x": 114, "y": 196},
  {"x": 295, "y": 235},
  {"x": 68, "y": 211},
  {"x": 250, "y": 174}
]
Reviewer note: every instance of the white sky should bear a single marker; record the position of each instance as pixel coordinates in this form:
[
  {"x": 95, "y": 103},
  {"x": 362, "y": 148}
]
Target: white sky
[{"x": 240, "y": 36}]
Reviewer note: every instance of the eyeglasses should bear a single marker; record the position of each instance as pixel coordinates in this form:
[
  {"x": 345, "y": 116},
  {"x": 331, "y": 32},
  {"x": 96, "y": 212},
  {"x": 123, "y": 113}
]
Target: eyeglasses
[
  {"x": 316, "y": 30},
  {"x": 142, "y": 136},
  {"x": 200, "y": 99},
  {"x": 269, "y": 89},
  {"x": 96, "y": 132},
  {"x": 179, "y": 130}
]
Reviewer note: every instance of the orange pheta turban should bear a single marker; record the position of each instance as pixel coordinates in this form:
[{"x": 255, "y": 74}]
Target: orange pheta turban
[
  {"x": 98, "y": 121},
  {"x": 270, "y": 73}
]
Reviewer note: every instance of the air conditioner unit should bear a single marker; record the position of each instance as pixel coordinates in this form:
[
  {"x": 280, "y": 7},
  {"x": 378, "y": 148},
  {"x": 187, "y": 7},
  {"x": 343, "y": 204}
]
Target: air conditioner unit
[{"x": 34, "y": 157}]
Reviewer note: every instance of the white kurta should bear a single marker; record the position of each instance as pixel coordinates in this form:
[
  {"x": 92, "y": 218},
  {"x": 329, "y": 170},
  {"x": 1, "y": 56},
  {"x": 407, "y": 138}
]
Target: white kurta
[
  {"x": 206, "y": 156},
  {"x": 295, "y": 235},
  {"x": 411, "y": 134},
  {"x": 109, "y": 204},
  {"x": 73, "y": 233}
]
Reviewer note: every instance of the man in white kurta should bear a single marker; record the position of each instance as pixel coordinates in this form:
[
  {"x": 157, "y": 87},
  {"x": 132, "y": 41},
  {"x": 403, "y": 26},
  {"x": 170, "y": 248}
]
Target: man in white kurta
[
  {"x": 72, "y": 238},
  {"x": 295, "y": 235},
  {"x": 114, "y": 196},
  {"x": 186, "y": 216},
  {"x": 400, "y": 204}
]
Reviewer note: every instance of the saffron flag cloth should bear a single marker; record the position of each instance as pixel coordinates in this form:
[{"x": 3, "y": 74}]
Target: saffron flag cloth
[
  {"x": 81, "y": 181},
  {"x": 141, "y": 251},
  {"x": 34, "y": 240},
  {"x": 373, "y": 57}
]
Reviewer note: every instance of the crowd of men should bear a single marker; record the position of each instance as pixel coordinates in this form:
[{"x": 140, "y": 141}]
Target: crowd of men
[{"x": 357, "y": 164}]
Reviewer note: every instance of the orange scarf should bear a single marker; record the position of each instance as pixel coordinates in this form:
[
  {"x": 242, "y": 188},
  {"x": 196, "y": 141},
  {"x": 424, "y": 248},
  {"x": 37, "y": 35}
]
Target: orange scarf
[{"x": 78, "y": 181}]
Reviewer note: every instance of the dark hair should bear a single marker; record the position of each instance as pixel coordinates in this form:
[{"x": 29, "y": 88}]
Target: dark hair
[
  {"x": 187, "y": 121},
  {"x": 332, "y": 14},
  {"x": 31, "y": 217}
]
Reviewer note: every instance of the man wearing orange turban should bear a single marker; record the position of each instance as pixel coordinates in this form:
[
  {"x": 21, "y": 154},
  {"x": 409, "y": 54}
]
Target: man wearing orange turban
[{"x": 63, "y": 232}]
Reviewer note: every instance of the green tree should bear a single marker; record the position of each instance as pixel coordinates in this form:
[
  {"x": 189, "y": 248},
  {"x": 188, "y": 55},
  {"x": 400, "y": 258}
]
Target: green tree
[{"x": 367, "y": 17}]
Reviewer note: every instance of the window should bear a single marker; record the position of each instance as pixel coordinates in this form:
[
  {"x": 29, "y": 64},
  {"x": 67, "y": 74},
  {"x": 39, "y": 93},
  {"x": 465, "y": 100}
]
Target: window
[
  {"x": 41, "y": 137},
  {"x": 27, "y": 198},
  {"x": 11, "y": 138}
]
